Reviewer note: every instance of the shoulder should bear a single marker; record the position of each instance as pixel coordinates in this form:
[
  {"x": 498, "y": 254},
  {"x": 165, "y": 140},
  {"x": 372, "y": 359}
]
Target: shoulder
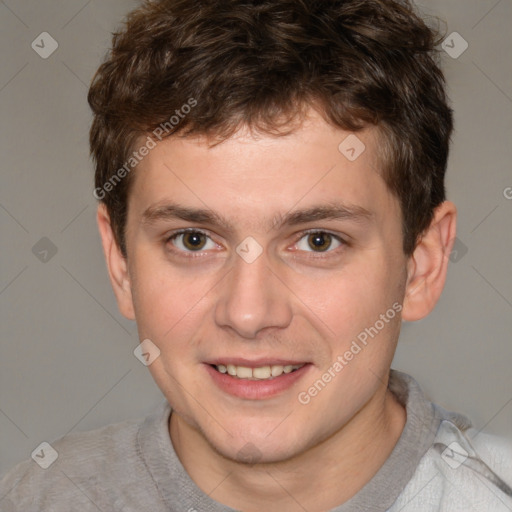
[
  {"x": 80, "y": 467},
  {"x": 495, "y": 451},
  {"x": 464, "y": 469}
]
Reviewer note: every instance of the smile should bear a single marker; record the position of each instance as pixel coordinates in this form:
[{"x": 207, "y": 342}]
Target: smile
[
  {"x": 260, "y": 373},
  {"x": 256, "y": 380}
]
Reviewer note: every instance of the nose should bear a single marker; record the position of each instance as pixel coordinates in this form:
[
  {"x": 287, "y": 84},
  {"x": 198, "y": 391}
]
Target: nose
[{"x": 252, "y": 299}]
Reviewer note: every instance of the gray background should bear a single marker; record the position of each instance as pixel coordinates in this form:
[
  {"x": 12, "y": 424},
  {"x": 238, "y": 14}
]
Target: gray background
[{"x": 67, "y": 358}]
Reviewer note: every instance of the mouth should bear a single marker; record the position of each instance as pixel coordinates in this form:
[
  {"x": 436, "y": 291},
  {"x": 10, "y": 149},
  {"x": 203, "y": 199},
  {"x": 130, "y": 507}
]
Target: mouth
[
  {"x": 266, "y": 372},
  {"x": 256, "y": 380}
]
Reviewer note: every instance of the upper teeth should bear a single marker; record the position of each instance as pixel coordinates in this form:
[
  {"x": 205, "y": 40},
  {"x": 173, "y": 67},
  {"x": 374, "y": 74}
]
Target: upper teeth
[{"x": 263, "y": 372}]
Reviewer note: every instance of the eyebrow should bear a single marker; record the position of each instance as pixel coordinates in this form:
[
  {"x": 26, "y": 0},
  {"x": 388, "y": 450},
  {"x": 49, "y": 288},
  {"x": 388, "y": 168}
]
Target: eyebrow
[
  {"x": 330, "y": 211},
  {"x": 166, "y": 212}
]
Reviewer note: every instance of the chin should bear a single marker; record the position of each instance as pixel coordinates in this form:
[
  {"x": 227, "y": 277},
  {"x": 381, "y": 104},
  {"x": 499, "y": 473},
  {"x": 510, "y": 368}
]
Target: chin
[
  {"x": 258, "y": 447},
  {"x": 255, "y": 453}
]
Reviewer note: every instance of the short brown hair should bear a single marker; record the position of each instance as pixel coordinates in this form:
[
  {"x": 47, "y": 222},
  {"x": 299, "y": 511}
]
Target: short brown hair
[{"x": 262, "y": 63}]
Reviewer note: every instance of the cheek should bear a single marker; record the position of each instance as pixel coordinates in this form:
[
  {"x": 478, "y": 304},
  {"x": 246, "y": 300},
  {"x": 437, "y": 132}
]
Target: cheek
[
  {"x": 348, "y": 295},
  {"x": 169, "y": 308},
  {"x": 350, "y": 302},
  {"x": 167, "y": 302}
]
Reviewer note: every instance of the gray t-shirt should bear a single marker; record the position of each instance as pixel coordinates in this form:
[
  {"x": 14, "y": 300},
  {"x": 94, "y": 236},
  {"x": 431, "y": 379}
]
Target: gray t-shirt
[{"x": 439, "y": 464}]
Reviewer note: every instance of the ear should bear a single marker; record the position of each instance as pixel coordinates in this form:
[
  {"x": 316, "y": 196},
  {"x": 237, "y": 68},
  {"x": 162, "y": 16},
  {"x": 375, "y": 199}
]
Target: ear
[
  {"x": 116, "y": 264},
  {"x": 427, "y": 266}
]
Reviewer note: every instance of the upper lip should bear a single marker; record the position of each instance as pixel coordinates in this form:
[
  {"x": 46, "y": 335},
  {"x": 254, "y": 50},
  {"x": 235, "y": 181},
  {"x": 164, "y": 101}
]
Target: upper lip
[{"x": 254, "y": 363}]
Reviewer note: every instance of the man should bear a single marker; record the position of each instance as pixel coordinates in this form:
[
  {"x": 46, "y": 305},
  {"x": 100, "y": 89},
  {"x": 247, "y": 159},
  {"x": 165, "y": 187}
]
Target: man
[{"x": 272, "y": 206}]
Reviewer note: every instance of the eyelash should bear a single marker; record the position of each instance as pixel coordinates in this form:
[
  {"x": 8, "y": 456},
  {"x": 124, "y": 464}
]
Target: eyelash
[
  {"x": 317, "y": 255},
  {"x": 186, "y": 254},
  {"x": 329, "y": 252}
]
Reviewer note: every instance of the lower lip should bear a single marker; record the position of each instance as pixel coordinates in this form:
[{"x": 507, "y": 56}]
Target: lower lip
[{"x": 256, "y": 389}]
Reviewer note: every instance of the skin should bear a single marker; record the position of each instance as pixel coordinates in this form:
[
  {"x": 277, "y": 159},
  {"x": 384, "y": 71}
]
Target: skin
[{"x": 293, "y": 301}]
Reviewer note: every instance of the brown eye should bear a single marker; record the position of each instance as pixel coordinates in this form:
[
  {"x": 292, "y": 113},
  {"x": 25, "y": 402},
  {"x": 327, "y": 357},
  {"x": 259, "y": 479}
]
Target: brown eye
[
  {"x": 192, "y": 241},
  {"x": 319, "y": 242}
]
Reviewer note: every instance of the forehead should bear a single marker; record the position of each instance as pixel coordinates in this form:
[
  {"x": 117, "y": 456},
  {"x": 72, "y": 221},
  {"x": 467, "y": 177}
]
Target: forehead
[{"x": 263, "y": 177}]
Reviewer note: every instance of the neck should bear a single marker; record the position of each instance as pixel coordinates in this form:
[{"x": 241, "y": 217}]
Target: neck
[{"x": 340, "y": 465}]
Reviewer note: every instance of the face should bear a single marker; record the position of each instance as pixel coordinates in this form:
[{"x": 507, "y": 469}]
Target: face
[{"x": 258, "y": 256}]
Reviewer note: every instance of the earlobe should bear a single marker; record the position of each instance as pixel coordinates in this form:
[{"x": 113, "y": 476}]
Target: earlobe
[
  {"x": 116, "y": 264},
  {"x": 428, "y": 265}
]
